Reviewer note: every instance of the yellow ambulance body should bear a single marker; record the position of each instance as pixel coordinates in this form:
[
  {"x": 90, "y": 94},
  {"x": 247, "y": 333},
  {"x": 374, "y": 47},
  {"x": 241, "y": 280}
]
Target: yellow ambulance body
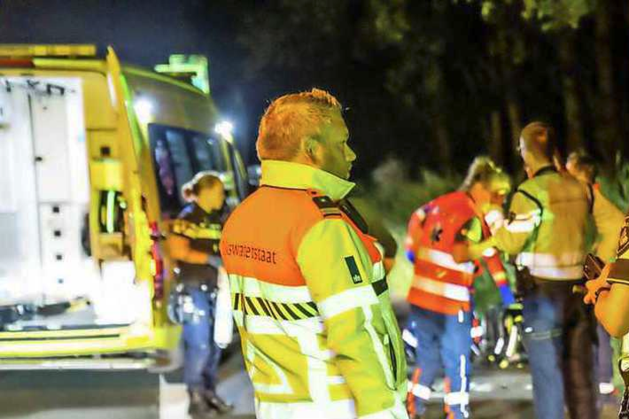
[{"x": 92, "y": 158}]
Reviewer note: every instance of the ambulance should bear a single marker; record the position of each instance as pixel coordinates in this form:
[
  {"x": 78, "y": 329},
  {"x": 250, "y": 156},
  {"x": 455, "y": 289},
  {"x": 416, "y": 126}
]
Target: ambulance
[{"x": 93, "y": 155}]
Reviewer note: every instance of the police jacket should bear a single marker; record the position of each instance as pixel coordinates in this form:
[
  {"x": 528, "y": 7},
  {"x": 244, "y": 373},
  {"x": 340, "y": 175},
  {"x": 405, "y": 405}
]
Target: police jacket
[
  {"x": 203, "y": 230},
  {"x": 310, "y": 299},
  {"x": 547, "y": 224}
]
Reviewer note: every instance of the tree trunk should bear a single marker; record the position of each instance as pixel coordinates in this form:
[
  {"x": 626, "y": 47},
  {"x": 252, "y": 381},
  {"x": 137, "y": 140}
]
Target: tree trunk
[
  {"x": 495, "y": 141},
  {"x": 608, "y": 133},
  {"x": 572, "y": 106},
  {"x": 435, "y": 85}
]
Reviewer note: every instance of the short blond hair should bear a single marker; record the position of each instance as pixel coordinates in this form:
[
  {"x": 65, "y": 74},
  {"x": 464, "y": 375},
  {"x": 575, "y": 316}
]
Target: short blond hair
[
  {"x": 540, "y": 140},
  {"x": 291, "y": 118},
  {"x": 483, "y": 170}
]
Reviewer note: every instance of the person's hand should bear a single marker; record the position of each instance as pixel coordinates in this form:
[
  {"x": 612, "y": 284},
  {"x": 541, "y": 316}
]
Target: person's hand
[
  {"x": 595, "y": 285},
  {"x": 461, "y": 252}
]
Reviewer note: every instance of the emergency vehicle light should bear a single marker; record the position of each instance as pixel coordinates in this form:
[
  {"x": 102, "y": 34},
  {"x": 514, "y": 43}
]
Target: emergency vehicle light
[{"x": 75, "y": 50}]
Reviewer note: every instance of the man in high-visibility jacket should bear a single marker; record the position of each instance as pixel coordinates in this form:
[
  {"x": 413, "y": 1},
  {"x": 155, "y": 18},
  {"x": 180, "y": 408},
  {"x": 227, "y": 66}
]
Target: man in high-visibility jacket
[
  {"x": 546, "y": 229},
  {"x": 607, "y": 223},
  {"x": 310, "y": 298},
  {"x": 440, "y": 294}
]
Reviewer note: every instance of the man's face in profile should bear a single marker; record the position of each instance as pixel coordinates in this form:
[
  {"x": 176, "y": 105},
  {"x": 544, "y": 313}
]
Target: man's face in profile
[{"x": 336, "y": 156}]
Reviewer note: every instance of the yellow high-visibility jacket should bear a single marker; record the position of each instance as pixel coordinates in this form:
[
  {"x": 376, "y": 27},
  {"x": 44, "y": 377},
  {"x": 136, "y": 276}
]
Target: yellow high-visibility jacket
[
  {"x": 608, "y": 220},
  {"x": 619, "y": 273},
  {"x": 547, "y": 223},
  {"x": 319, "y": 336}
]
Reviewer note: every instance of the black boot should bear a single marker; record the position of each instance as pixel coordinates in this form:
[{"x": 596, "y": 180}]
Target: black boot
[
  {"x": 199, "y": 407},
  {"x": 216, "y": 402}
]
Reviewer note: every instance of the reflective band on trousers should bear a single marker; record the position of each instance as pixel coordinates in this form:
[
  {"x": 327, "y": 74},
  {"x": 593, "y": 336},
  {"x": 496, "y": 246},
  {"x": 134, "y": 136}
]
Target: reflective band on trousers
[
  {"x": 460, "y": 397},
  {"x": 444, "y": 259},
  {"x": 419, "y": 390},
  {"x": 451, "y": 291}
]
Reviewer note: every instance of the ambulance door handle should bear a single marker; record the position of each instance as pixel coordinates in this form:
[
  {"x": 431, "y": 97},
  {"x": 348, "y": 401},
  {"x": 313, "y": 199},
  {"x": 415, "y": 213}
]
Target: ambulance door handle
[
  {"x": 39, "y": 159},
  {"x": 159, "y": 235}
]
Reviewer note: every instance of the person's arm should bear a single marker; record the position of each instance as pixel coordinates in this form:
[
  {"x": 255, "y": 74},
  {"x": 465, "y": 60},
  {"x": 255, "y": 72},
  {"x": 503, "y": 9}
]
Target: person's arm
[
  {"x": 338, "y": 273},
  {"x": 414, "y": 234},
  {"x": 612, "y": 310},
  {"x": 609, "y": 221},
  {"x": 524, "y": 218},
  {"x": 179, "y": 244},
  {"x": 610, "y": 291},
  {"x": 499, "y": 274},
  {"x": 472, "y": 233}
]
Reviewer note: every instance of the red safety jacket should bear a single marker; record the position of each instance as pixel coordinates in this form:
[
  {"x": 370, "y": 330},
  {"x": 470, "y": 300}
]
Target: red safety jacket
[{"x": 439, "y": 283}]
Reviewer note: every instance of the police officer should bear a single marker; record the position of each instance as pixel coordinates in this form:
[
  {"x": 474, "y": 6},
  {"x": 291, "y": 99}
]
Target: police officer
[
  {"x": 194, "y": 243},
  {"x": 311, "y": 302},
  {"x": 440, "y": 296},
  {"x": 546, "y": 229}
]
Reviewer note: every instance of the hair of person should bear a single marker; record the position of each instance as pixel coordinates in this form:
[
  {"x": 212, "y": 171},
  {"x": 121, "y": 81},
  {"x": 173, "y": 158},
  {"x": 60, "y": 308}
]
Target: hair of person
[
  {"x": 584, "y": 163},
  {"x": 202, "y": 180},
  {"x": 540, "y": 140},
  {"x": 483, "y": 169},
  {"x": 291, "y": 118}
]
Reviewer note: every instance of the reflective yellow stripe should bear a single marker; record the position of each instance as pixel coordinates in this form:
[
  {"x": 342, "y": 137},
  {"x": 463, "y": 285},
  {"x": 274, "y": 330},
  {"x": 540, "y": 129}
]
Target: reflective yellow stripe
[
  {"x": 550, "y": 260},
  {"x": 348, "y": 300}
]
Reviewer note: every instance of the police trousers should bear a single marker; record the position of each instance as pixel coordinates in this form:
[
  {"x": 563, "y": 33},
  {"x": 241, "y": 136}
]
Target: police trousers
[
  {"x": 559, "y": 337},
  {"x": 201, "y": 355}
]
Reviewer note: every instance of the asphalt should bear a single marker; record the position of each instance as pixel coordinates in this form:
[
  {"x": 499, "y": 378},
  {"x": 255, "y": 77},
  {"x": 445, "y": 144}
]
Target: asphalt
[{"x": 139, "y": 395}]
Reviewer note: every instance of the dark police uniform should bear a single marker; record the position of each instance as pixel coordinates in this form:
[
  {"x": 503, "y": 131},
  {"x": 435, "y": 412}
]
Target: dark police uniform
[{"x": 203, "y": 231}]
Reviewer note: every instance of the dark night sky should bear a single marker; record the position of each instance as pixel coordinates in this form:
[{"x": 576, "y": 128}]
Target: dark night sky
[{"x": 144, "y": 32}]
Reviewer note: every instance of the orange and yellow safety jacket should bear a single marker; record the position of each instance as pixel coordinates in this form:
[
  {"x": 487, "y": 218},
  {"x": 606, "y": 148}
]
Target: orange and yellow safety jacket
[
  {"x": 440, "y": 284},
  {"x": 311, "y": 303}
]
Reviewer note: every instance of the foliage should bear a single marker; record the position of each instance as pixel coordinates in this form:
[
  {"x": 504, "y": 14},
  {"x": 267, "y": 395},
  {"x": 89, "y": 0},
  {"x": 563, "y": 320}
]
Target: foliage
[{"x": 434, "y": 82}]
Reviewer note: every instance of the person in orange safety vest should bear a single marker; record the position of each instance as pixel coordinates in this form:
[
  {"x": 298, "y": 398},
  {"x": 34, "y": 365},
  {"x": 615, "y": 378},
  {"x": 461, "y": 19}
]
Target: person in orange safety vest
[
  {"x": 441, "y": 292},
  {"x": 310, "y": 298}
]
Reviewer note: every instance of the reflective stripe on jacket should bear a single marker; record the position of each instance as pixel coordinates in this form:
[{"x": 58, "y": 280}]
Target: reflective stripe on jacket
[
  {"x": 547, "y": 224},
  {"x": 440, "y": 284},
  {"x": 319, "y": 336}
]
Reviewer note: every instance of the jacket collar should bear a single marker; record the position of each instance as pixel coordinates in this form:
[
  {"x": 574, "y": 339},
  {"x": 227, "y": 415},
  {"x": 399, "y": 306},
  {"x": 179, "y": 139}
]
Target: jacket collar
[
  {"x": 283, "y": 174},
  {"x": 544, "y": 170}
]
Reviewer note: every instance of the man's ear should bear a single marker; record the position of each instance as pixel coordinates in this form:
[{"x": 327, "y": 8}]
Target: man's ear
[{"x": 311, "y": 147}]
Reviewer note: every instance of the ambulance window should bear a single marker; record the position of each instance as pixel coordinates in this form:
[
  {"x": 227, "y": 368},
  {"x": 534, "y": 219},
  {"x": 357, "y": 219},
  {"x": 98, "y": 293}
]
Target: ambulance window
[
  {"x": 207, "y": 153},
  {"x": 181, "y": 163},
  {"x": 178, "y": 154}
]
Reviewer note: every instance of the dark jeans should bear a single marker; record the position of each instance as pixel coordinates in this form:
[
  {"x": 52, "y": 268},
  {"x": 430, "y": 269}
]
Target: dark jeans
[
  {"x": 442, "y": 340},
  {"x": 201, "y": 355},
  {"x": 559, "y": 337},
  {"x": 604, "y": 355}
]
